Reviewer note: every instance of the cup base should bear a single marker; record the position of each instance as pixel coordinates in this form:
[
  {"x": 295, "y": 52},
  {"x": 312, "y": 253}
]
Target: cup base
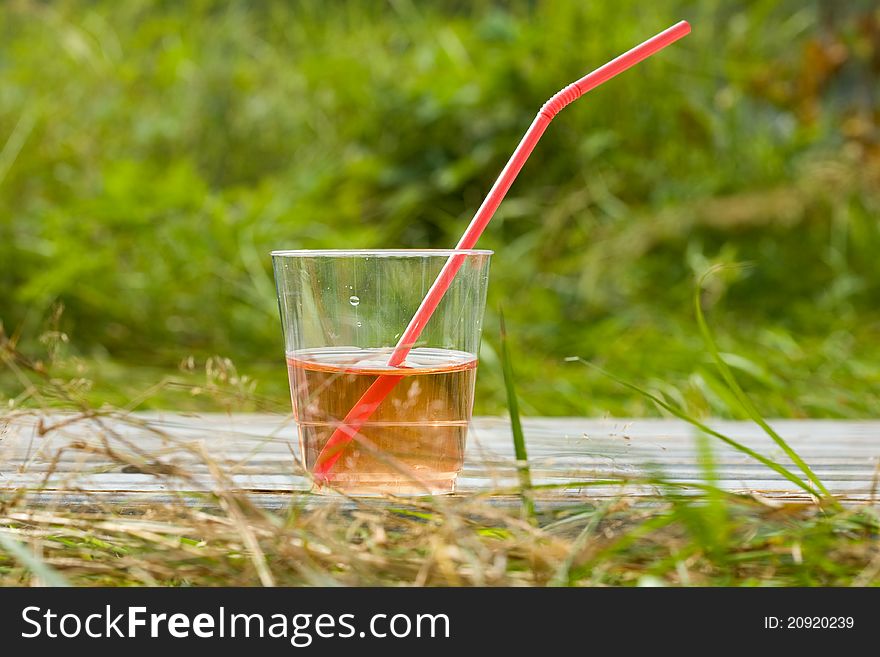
[{"x": 380, "y": 486}]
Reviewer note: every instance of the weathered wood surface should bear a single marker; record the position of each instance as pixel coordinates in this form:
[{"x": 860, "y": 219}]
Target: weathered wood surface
[{"x": 71, "y": 463}]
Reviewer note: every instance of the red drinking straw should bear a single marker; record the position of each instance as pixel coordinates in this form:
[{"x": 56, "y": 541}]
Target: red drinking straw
[{"x": 383, "y": 385}]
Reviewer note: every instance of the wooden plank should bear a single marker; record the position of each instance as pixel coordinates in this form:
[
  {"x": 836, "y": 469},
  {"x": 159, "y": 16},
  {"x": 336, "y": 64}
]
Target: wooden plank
[{"x": 69, "y": 463}]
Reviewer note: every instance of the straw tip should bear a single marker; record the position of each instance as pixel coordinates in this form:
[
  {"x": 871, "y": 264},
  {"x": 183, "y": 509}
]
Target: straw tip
[{"x": 684, "y": 27}]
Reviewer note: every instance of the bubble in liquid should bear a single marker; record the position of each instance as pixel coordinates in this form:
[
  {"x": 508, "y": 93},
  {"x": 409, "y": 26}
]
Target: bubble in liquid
[
  {"x": 354, "y": 300},
  {"x": 359, "y": 324}
]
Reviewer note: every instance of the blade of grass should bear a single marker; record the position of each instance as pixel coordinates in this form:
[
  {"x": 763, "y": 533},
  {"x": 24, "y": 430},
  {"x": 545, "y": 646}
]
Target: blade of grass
[
  {"x": 519, "y": 441},
  {"x": 779, "y": 469},
  {"x": 37, "y": 566},
  {"x": 714, "y": 512},
  {"x": 741, "y": 396}
]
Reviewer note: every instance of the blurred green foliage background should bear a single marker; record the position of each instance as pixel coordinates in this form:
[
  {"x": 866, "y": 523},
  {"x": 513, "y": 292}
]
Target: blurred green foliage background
[{"x": 153, "y": 153}]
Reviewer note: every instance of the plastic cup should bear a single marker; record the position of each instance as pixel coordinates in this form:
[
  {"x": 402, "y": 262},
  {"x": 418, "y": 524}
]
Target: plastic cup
[{"x": 342, "y": 313}]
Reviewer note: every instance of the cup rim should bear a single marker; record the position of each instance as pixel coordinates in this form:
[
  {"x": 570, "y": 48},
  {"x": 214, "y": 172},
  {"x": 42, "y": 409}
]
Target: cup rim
[{"x": 379, "y": 253}]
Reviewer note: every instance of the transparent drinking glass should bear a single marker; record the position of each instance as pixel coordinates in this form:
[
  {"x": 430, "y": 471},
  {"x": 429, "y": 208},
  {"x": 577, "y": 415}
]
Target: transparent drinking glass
[{"x": 342, "y": 314}]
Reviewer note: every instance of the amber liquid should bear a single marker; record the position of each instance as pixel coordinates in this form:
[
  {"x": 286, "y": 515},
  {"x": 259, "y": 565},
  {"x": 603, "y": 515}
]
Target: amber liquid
[{"x": 413, "y": 444}]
